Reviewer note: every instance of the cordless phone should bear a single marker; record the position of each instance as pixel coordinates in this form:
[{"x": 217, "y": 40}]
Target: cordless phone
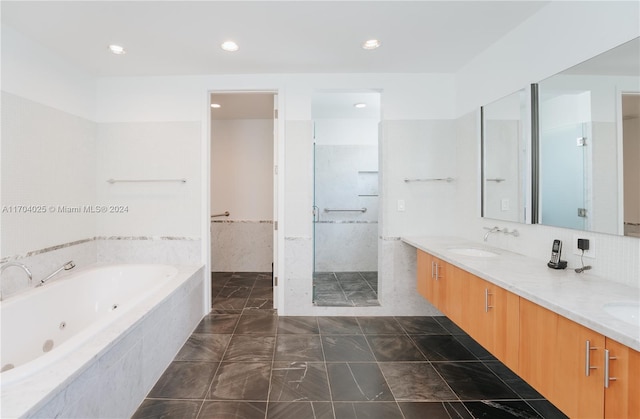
[{"x": 556, "y": 252}]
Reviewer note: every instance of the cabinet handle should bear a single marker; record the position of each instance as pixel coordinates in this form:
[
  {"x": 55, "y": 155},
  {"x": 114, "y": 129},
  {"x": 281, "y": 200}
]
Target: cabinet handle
[
  {"x": 433, "y": 265},
  {"x": 607, "y": 358},
  {"x": 437, "y": 271},
  {"x": 587, "y": 363},
  {"x": 486, "y": 300}
]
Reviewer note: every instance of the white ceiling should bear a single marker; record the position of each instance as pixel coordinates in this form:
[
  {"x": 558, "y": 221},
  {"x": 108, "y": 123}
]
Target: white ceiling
[
  {"x": 242, "y": 106},
  {"x": 183, "y": 37}
]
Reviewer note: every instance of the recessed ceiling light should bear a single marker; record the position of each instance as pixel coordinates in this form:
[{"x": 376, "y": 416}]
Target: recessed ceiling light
[
  {"x": 360, "y": 105},
  {"x": 371, "y": 44},
  {"x": 229, "y": 46},
  {"x": 117, "y": 49},
  {"x": 215, "y": 105}
]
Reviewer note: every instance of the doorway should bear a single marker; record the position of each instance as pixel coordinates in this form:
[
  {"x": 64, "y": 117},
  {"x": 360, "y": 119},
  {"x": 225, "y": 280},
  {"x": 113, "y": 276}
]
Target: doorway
[
  {"x": 243, "y": 195},
  {"x": 631, "y": 160},
  {"x": 346, "y": 198}
]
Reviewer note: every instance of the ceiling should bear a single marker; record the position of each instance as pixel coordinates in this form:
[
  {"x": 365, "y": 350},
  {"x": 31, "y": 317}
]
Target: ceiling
[
  {"x": 242, "y": 106},
  {"x": 184, "y": 37}
]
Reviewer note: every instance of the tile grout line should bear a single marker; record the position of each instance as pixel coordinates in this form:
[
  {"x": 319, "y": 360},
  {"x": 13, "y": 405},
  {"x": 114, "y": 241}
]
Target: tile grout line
[{"x": 326, "y": 367}]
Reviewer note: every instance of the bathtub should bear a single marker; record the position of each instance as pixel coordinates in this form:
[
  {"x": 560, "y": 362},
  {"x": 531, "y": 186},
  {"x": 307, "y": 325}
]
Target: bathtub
[{"x": 61, "y": 339}]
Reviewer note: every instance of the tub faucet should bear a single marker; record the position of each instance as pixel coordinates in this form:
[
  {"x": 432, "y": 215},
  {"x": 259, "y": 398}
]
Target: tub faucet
[
  {"x": 491, "y": 230},
  {"x": 17, "y": 265},
  {"x": 67, "y": 266}
]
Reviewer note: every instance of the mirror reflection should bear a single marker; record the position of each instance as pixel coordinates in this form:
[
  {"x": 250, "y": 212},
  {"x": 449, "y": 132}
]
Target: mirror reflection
[
  {"x": 345, "y": 225},
  {"x": 589, "y": 151},
  {"x": 506, "y": 151}
]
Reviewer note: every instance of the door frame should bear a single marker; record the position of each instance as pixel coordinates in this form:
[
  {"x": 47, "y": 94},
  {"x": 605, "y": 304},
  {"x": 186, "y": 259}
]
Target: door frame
[{"x": 278, "y": 193}]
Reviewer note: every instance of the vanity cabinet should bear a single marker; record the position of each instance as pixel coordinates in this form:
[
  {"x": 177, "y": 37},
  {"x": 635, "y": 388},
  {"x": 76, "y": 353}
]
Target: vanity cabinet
[
  {"x": 565, "y": 361},
  {"x": 622, "y": 396},
  {"x": 485, "y": 311},
  {"x": 440, "y": 283},
  {"x": 554, "y": 353},
  {"x": 490, "y": 316}
]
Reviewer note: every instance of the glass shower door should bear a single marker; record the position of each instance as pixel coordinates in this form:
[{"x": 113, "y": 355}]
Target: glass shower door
[{"x": 563, "y": 181}]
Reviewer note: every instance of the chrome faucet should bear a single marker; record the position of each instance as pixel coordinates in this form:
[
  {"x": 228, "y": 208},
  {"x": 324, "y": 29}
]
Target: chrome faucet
[
  {"x": 17, "y": 265},
  {"x": 67, "y": 266},
  {"x": 491, "y": 230}
]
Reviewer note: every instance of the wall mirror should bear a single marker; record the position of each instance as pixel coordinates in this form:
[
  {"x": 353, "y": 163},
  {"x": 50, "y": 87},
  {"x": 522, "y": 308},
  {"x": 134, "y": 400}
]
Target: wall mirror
[
  {"x": 345, "y": 224},
  {"x": 589, "y": 144},
  {"x": 506, "y": 158}
]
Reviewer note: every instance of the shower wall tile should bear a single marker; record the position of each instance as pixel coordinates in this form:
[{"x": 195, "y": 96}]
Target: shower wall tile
[
  {"x": 149, "y": 250},
  {"x": 241, "y": 246},
  {"x": 346, "y": 247}
]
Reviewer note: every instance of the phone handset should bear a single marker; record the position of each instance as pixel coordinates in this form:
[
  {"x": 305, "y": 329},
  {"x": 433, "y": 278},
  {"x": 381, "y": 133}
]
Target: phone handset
[{"x": 556, "y": 253}]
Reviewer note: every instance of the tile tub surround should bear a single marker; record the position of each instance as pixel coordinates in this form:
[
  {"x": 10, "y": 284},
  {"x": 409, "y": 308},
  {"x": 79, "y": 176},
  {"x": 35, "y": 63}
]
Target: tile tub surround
[
  {"x": 100, "y": 249},
  {"x": 109, "y": 375},
  {"x": 251, "y": 363},
  {"x": 578, "y": 297}
]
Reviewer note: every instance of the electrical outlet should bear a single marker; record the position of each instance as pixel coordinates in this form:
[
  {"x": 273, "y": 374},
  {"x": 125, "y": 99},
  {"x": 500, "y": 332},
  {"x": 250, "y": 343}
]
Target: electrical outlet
[
  {"x": 401, "y": 205},
  {"x": 591, "y": 253}
]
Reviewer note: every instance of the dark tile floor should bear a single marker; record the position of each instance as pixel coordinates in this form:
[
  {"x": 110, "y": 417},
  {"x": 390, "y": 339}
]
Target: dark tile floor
[
  {"x": 345, "y": 289},
  {"x": 243, "y": 362}
]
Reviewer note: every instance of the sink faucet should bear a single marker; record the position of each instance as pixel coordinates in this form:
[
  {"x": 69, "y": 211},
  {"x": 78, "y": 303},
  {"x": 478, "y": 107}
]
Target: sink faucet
[
  {"x": 491, "y": 230},
  {"x": 17, "y": 265},
  {"x": 67, "y": 266}
]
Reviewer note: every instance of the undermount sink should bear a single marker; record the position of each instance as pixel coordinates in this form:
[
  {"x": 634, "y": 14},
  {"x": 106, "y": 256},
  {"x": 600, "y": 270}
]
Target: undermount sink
[
  {"x": 472, "y": 251},
  {"x": 626, "y": 311}
]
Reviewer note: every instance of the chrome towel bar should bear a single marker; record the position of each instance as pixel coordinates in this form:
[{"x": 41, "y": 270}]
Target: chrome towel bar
[
  {"x": 112, "y": 181},
  {"x": 222, "y": 214},
  {"x": 446, "y": 179},
  {"x": 345, "y": 210}
]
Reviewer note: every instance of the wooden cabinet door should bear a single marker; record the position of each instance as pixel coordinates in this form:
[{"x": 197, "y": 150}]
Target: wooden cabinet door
[
  {"x": 423, "y": 268},
  {"x": 476, "y": 319},
  {"x": 576, "y": 392},
  {"x": 538, "y": 346},
  {"x": 505, "y": 315},
  {"x": 451, "y": 293},
  {"x": 622, "y": 397}
]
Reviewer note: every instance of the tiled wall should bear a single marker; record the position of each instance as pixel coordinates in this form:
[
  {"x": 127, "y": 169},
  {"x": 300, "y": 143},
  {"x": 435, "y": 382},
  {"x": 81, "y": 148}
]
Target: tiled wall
[{"x": 241, "y": 246}]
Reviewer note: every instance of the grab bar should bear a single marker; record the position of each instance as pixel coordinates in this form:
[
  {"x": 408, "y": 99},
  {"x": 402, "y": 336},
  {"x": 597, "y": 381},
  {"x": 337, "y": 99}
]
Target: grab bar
[
  {"x": 446, "y": 179},
  {"x": 497, "y": 180},
  {"x": 222, "y": 214},
  {"x": 345, "y": 210},
  {"x": 112, "y": 181}
]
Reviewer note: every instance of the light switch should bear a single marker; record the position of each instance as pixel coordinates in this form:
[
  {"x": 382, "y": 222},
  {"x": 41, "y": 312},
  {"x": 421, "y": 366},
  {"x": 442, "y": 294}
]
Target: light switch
[
  {"x": 504, "y": 205},
  {"x": 400, "y": 205}
]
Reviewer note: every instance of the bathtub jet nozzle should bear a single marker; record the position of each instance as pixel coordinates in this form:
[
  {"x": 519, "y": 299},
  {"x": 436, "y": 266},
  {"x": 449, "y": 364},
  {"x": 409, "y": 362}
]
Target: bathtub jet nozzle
[{"x": 66, "y": 267}]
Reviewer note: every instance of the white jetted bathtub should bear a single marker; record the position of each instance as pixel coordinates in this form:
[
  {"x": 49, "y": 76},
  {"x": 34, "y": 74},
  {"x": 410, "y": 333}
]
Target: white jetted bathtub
[{"x": 58, "y": 339}]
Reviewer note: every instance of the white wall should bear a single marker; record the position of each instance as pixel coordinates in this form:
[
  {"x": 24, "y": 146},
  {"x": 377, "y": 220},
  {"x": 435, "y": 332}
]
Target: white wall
[
  {"x": 48, "y": 160},
  {"x": 242, "y": 183},
  {"x": 35, "y": 73},
  {"x": 149, "y": 151},
  {"x": 544, "y": 45}
]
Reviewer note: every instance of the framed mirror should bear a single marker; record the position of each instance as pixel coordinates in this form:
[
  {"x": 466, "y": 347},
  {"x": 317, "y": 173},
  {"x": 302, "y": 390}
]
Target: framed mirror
[
  {"x": 506, "y": 158},
  {"x": 589, "y": 144}
]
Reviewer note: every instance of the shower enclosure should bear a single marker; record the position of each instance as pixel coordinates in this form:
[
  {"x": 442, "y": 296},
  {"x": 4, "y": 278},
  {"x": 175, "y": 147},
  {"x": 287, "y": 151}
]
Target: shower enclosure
[{"x": 345, "y": 198}]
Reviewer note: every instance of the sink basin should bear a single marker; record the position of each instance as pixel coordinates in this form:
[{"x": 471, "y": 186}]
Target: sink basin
[
  {"x": 627, "y": 312},
  {"x": 472, "y": 251}
]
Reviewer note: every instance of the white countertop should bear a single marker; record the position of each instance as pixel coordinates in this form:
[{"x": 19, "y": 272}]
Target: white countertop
[{"x": 578, "y": 297}]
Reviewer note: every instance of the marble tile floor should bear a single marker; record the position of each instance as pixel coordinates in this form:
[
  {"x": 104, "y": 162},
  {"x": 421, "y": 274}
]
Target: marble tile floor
[
  {"x": 345, "y": 289},
  {"x": 245, "y": 362}
]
